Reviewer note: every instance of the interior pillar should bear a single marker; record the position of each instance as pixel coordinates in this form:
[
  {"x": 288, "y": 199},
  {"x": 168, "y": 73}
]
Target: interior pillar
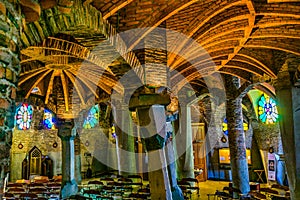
[
  {"x": 289, "y": 109},
  {"x": 236, "y": 136},
  {"x": 10, "y": 27},
  {"x": 152, "y": 130},
  {"x": 126, "y": 141},
  {"x": 186, "y": 160},
  {"x": 148, "y": 102},
  {"x": 77, "y": 143},
  {"x": 67, "y": 133}
]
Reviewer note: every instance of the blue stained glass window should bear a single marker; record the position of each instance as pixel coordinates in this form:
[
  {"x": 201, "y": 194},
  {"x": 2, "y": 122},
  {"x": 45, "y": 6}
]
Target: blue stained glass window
[
  {"x": 93, "y": 118},
  {"x": 23, "y": 116},
  {"x": 267, "y": 110},
  {"x": 48, "y": 119},
  {"x": 225, "y": 126}
]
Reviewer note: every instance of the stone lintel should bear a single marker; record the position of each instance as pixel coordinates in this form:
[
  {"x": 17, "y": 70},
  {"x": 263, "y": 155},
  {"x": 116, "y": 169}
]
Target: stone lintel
[{"x": 147, "y": 100}]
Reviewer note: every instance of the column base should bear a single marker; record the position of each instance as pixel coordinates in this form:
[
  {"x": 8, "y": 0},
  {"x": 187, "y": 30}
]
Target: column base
[
  {"x": 69, "y": 188},
  {"x": 177, "y": 193}
]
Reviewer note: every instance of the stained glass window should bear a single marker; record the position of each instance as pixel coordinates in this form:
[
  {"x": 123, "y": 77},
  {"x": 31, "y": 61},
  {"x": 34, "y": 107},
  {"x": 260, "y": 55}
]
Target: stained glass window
[
  {"x": 92, "y": 119},
  {"x": 48, "y": 119},
  {"x": 24, "y": 116},
  {"x": 267, "y": 110},
  {"x": 225, "y": 127}
]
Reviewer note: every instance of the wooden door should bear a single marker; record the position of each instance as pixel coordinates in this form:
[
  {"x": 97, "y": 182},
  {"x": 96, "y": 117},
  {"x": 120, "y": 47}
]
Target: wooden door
[{"x": 199, "y": 151}]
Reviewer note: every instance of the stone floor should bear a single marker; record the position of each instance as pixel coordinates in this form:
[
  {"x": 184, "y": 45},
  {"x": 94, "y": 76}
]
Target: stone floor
[{"x": 207, "y": 187}]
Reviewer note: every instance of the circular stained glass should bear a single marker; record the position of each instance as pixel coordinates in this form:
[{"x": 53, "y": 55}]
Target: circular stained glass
[
  {"x": 92, "y": 119},
  {"x": 24, "y": 116},
  {"x": 48, "y": 119},
  {"x": 225, "y": 126},
  {"x": 267, "y": 110}
]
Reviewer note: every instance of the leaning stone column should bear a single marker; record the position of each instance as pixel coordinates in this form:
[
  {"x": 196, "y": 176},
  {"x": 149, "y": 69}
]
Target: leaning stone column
[
  {"x": 67, "y": 134},
  {"x": 289, "y": 110},
  {"x": 236, "y": 136}
]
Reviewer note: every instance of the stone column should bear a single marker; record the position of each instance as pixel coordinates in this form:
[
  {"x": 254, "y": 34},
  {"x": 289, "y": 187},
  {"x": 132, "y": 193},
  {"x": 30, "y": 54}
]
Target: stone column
[
  {"x": 4, "y": 167},
  {"x": 67, "y": 134},
  {"x": 236, "y": 136},
  {"x": 149, "y": 101},
  {"x": 152, "y": 124},
  {"x": 77, "y": 143},
  {"x": 126, "y": 141},
  {"x": 185, "y": 161},
  {"x": 10, "y": 29},
  {"x": 289, "y": 110}
]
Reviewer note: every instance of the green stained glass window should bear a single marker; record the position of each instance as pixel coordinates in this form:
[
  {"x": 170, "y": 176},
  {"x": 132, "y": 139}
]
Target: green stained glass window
[
  {"x": 23, "y": 116},
  {"x": 92, "y": 119},
  {"x": 225, "y": 126},
  {"x": 267, "y": 110}
]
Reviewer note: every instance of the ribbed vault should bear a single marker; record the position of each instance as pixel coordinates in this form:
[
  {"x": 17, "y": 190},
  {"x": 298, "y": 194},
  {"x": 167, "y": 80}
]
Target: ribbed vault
[{"x": 244, "y": 38}]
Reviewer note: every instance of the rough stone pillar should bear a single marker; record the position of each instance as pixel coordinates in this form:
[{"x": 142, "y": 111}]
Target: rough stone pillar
[
  {"x": 236, "y": 136},
  {"x": 77, "y": 143},
  {"x": 186, "y": 161},
  {"x": 67, "y": 134},
  {"x": 10, "y": 29},
  {"x": 153, "y": 131},
  {"x": 289, "y": 110},
  {"x": 126, "y": 141}
]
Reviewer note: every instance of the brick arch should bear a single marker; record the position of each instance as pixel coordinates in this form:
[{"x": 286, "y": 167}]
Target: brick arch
[
  {"x": 288, "y": 44},
  {"x": 36, "y": 37}
]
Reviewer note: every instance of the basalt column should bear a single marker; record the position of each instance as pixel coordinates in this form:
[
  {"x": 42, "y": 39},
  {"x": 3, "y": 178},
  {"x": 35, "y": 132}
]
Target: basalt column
[
  {"x": 288, "y": 93},
  {"x": 10, "y": 28},
  {"x": 67, "y": 133},
  {"x": 236, "y": 136}
]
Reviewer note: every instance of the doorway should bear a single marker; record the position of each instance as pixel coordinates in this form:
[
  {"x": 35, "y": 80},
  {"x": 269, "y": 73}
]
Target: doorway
[
  {"x": 199, "y": 152},
  {"x": 35, "y": 161}
]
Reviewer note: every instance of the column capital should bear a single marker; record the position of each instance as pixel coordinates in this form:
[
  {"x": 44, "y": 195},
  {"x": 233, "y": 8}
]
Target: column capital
[{"x": 65, "y": 129}]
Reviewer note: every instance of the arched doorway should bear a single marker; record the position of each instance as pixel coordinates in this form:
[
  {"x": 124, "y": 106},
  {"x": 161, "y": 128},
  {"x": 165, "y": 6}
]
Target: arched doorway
[{"x": 35, "y": 161}]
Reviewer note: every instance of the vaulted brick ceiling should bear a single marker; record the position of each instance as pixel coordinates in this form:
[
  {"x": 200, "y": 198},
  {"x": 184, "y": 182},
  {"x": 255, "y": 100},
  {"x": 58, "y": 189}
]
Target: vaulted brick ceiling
[
  {"x": 242, "y": 37},
  {"x": 233, "y": 32}
]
